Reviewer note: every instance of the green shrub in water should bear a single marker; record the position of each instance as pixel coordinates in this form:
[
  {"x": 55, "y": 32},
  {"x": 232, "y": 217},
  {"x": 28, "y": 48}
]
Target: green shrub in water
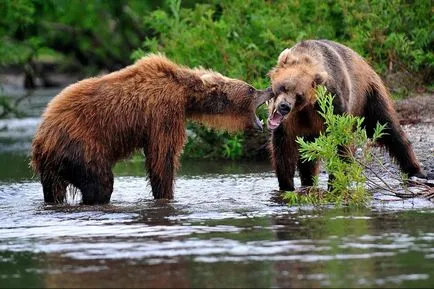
[{"x": 342, "y": 131}]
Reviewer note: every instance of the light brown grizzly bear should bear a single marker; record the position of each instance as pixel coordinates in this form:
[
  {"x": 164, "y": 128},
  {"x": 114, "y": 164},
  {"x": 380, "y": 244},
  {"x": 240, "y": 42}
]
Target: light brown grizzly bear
[
  {"x": 358, "y": 91},
  {"x": 92, "y": 124}
]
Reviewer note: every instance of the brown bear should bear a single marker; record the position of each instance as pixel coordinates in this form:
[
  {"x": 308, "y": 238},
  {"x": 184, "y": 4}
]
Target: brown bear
[
  {"x": 92, "y": 124},
  {"x": 358, "y": 91}
]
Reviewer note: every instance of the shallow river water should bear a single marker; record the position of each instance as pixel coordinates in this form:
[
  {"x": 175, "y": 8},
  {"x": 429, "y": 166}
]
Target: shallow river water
[{"x": 225, "y": 228}]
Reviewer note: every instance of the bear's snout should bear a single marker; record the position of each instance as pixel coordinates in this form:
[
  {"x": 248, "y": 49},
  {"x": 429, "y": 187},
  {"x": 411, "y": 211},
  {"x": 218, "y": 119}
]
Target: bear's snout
[
  {"x": 262, "y": 96},
  {"x": 284, "y": 108}
]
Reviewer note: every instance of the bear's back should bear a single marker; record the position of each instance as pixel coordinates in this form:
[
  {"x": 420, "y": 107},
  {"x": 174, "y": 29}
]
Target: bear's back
[{"x": 349, "y": 75}]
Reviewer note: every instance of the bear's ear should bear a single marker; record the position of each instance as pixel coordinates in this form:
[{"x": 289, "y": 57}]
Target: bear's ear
[
  {"x": 320, "y": 79},
  {"x": 283, "y": 57},
  {"x": 209, "y": 80}
]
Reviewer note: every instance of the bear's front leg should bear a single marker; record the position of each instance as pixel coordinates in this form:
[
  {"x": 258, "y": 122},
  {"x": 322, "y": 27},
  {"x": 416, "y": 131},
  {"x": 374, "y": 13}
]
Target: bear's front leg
[
  {"x": 161, "y": 171},
  {"x": 162, "y": 150},
  {"x": 308, "y": 169},
  {"x": 284, "y": 157}
]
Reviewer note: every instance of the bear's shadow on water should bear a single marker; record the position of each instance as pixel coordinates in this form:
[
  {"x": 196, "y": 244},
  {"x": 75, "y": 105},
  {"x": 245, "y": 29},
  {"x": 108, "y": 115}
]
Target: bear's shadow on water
[{"x": 149, "y": 212}]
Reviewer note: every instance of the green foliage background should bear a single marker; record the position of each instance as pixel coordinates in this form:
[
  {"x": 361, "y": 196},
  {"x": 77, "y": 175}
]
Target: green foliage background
[
  {"x": 243, "y": 38},
  {"x": 239, "y": 38}
]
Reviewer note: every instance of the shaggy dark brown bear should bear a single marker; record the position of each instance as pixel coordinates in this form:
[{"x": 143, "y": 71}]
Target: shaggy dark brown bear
[
  {"x": 358, "y": 91},
  {"x": 94, "y": 123}
]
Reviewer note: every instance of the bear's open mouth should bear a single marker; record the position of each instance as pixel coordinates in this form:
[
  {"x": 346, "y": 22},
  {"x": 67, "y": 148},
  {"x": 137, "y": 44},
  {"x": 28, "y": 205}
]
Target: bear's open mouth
[
  {"x": 261, "y": 97},
  {"x": 274, "y": 120}
]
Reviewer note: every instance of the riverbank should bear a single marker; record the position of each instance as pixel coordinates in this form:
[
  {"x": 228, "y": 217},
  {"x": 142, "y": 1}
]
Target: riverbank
[{"x": 416, "y": 115}]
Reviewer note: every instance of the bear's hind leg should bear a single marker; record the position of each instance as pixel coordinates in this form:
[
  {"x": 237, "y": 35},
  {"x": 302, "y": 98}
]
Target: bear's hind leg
[
  {"x": 97, "y": 188},
  {"x": 54, "y": 188},
  {"x": 308, "y": 170},
  {"x": 95, "y": 184},
  {"x": 378, "y": 109}
]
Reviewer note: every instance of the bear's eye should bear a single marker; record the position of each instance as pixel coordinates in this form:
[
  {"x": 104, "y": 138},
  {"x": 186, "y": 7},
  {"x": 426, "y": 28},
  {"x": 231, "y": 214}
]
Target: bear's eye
[
  {"x": 251, "y": 90},
  {"x": 298, "y": 97}
]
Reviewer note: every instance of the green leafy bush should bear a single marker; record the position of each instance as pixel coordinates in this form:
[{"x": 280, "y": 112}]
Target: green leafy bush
[
  {"x": 85, "y": 35},
  {"x": 394, "y": 35},
  {"x": 335, "y": 148},
  {"x": 233, "y": 147},
  {"x": 242, "y": 39}
]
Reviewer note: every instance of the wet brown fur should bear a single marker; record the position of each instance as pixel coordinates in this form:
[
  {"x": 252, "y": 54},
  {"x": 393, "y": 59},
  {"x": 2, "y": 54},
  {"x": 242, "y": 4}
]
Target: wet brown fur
[
  {"x": 94, "y": 123},
  {"x": 358, "y": 91}
]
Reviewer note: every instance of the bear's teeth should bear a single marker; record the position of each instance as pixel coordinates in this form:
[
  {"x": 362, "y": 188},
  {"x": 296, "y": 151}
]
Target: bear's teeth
[{"x": 262, "y": 121}]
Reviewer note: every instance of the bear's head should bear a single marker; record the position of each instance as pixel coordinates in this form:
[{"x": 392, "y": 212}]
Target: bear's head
[
  {"x": 227, "y": 103},
  {"x": 293, "y": 82}
]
